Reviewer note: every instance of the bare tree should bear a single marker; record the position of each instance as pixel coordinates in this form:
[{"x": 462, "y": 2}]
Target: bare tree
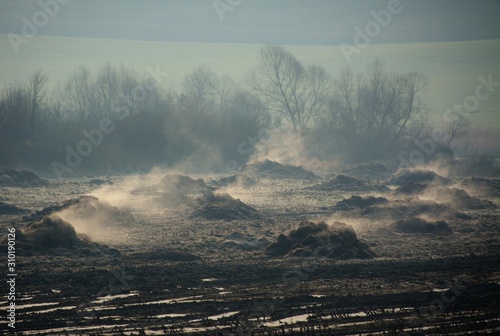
[
  {"x": 200, "y": 85},
  {"x": 36, "y": 93},
  {"x": 375, "y": 114},
  {"x": 296, "y": 92},
  {"x": 456, "y": 128}
]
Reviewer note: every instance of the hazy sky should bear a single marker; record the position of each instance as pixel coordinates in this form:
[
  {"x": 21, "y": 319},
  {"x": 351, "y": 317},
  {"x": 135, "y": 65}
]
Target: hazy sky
[{"x": 259, "y": 21}]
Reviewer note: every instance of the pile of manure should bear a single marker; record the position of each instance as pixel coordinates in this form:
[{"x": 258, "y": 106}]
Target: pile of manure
[
  {"x": 20, "y": 178},
  {"x": 272, "y": 169},
  {"x": 419, "y": 225},
  {"x": 336, "y": 241},
  {"x": 358, "y": 202},
  {"x": 9, "y": 209},
  {"x": 50, "y": 235},
  {"x": 222, "y": 207}
]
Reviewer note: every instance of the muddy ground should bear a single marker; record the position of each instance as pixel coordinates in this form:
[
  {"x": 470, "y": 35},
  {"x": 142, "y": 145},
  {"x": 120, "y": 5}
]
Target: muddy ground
[{"x": 178, "y": 273}]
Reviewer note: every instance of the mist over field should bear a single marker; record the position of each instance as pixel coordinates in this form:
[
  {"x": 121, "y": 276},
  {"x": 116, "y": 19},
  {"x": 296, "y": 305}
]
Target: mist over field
[{"x": 250, "y": 167}]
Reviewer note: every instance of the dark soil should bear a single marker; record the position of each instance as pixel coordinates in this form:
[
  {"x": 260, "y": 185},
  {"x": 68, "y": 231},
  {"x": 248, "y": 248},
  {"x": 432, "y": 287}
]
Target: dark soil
[
  {"x": 419, "y": 225},
  {"x": 411, "y": 188},
  {"x": 408, "y": 208},
  {"x": 9, "y": 209},
  {"x": 460, "y": 199},
  {"x": 182, "y": 184},
  {"x": 417, "y": 176},
  {"x": 240, "y": 179},
  {"x": 89, "y": 208},
  {"x": 336, "y": 241},
  {"x": 272, "y": 169},
  {"x": 51, "y": 235},
  {"x": 348, "y": 184},
  {"x": 375, "y": 171},
  {"x": 484, "y": 186},
  {"x": 222, "y": 207},
  {"x": 358, "y": 202},
  {"x": 20, "y": 178}
]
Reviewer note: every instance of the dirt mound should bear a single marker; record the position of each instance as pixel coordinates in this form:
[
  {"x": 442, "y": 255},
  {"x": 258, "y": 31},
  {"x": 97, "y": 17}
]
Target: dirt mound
[
  {"x": 245, "y": 242},
  {"x": 460, "y": 199},
  {"x": 419, "y": 225},
  {"x": 417, "y": 176},
  {"x": 9, "y": 209},
  {"x": 272, "y": 169},
  {"x": 99, "y": 182},
  {"x": 51, "y": 235},
  {"x": 375, "y": 171},
  {"x": 348, "y": 184},
  {"x": 20, "y": 178},
  {"x": 89, "y": 209},
  {"x": 337, "y": 241},
  {"x": 408, "y": 208},
  {"x": 483, "y": 186},
  {"x": 411, "y": 188},
  {"x": 182, "y": 184},
  {"x": 222, "y": 206},
  {"x": 358, "y": 202},
  {"x": 239, "y": 179}
]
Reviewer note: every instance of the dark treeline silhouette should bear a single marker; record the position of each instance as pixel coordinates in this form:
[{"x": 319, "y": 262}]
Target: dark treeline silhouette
[{"x": 114, "y": 121}]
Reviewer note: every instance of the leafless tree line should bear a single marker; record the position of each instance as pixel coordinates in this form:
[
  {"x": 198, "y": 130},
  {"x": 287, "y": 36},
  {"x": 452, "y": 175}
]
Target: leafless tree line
[{"x": 364, "y": 117}]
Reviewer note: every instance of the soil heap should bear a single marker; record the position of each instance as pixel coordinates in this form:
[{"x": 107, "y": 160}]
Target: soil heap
[
  {"x": 182, "y": 184},
  {"x": 272, "y": 169},
  {"x": 88, "y": 208},
  {"x": 418, "y": 176},
  {"x": 484, "y": 186},
  {"x": 337, "y": 241},
  {"x": 53, "y": 236},
  {"x": 375, "y": 171},
  {"x": 20, "y": 178},
  {"x": 419, "y": 225},
  {"x": 222, "y": 207},
  {"x": 358, "y": 202}
]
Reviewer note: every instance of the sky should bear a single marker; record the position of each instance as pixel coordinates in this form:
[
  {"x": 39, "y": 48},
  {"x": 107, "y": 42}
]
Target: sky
[{"x": 317, "y": 22}]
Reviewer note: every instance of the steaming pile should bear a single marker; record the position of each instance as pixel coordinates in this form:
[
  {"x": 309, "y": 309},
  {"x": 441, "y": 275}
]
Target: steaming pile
[
  {"x": 460, "y": 199},
  {"x": 272, "y": 169},
  {"x": 484, "y": 186},
  {"x": 375, "y": 171},
  {"x": 348, "y": 184},
  {"x": 182, "y": 185},
  {"x": 89, "y": 209},
  {"x": 20, "y": 178},
  {"x": 415, "y": 182},
  {"x": 245, "y": 242},
  {"x": 419, "y": 225},
  {"x": 358, "y": 202},
  {"x": 222, "y": 207},
  {"x": 241, "y": 180},
  {"x": 9, "y": 209},
  {"x": 53, "y": 236},
  {"x": 337, "y": 241}
]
